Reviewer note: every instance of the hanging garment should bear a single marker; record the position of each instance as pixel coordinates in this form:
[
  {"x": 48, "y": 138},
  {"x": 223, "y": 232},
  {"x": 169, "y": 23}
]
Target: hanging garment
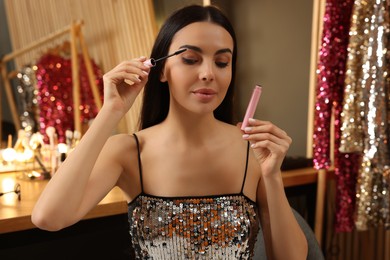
[
  {"x": 366, "y": 110},
  {"x": 26, "y": 98},
  {"x": 54, "y": 81},
  {"x": 329, "y": 96}
]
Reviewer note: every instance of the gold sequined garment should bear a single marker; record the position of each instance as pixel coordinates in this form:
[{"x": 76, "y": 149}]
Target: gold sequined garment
[
  {"x": 366, "y": 114},
  {"x": 207, "y": 227}
]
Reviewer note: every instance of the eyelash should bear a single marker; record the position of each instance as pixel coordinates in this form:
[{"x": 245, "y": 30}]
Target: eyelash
[
  {"x": 222, "y": 64},
  {"x": 189, "y": 61},
  {"x": 193, "y": 61}
]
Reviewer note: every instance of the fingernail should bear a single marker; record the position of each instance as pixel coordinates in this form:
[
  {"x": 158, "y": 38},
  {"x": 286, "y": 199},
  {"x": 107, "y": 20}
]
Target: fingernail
[
  {"x": 251, "y": 120},
  {"x": 145, "y": 72},
  {"x": 248, "y": 129},
  {"x": 245, "y": 136}
]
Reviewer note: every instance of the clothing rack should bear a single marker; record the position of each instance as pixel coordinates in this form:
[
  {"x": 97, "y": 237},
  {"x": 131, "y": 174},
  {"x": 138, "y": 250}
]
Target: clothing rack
[{"x": 76, "y": 36}]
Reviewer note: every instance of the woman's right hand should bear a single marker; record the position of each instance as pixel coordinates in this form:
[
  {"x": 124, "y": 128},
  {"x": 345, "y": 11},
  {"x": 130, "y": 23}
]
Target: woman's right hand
[{"x": 123, "y": 83}]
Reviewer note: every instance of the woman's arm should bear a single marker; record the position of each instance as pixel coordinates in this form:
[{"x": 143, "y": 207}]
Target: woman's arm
[
  {"x": 80, "y": 182},
  {"x": 284, "y": 239}
]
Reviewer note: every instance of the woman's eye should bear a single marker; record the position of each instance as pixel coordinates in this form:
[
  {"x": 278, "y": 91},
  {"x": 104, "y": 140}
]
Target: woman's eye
[
  {"x": 189, "y": 61},
  {"x": 221, "y": 64}
]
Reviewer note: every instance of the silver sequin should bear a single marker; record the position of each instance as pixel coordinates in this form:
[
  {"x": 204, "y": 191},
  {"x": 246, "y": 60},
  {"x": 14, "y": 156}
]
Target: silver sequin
[{"x": 212, "y": 227}]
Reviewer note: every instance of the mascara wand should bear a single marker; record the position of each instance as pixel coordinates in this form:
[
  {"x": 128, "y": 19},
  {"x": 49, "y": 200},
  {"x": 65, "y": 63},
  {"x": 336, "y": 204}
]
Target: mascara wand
[{"x": 152, "y": 62}]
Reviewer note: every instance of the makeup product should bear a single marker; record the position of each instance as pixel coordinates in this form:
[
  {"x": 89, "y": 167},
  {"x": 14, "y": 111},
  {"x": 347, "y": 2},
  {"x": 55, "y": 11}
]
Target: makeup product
[
  {"x": 152, "y": 62},
  {"x": 250, "y": 111},
  {"x": 51, "y": 133},
  {"x": 69, "y": 138},
  {"x": 76, "y": 138}
]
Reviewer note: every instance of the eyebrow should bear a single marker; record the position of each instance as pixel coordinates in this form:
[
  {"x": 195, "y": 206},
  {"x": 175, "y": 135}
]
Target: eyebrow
[{"x": 197, "y": 49}]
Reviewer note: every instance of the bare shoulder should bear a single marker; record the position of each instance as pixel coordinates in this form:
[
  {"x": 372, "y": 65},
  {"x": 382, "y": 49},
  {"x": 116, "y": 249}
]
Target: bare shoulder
[
  {"x": 235, "y": 130},
  {"x": 120, "y": 147},
  {"x": 121, "y": 142},
  {"x": 231, "y": 132},
  {"x": 147, "y": 134}
]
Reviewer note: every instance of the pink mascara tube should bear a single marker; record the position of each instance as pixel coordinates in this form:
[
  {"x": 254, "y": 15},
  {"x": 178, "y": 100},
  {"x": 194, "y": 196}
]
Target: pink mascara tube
[{"x": 250, "y": 111}]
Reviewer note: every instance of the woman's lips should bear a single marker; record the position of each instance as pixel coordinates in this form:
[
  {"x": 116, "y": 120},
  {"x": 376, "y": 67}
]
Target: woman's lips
[{"x": 204, "y": 94}]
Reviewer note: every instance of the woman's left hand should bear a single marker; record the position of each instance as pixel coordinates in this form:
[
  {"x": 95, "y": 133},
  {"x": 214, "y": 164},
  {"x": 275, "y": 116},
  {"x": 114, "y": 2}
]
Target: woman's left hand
[{"x": 269, "y": 143}]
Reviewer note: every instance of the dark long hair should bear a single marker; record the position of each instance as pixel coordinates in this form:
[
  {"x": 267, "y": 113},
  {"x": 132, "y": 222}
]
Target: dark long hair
[{"x": 156, "y": 93}]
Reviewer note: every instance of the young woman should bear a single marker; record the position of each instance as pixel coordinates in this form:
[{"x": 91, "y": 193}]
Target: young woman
[{"x": 197, "y": 186}]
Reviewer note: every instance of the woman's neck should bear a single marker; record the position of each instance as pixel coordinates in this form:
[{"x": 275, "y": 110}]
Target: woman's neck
[{"x": 191, "y": 127}]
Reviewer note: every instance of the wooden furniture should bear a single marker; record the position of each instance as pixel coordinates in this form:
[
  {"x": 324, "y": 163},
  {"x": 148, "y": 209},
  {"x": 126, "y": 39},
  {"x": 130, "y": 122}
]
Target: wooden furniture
[{"x": 16, "y": 215}]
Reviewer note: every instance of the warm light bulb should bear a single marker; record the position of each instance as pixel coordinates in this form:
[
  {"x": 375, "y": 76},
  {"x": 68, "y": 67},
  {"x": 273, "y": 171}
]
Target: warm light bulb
[
  {"x": 9, "y": 154},
  {"x": 28, "y": 154},
  {"x": 62, "y": 148}
]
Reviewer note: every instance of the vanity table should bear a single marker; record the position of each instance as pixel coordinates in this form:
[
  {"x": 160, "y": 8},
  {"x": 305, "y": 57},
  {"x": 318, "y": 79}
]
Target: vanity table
[
  {"x": 102, "y": 234},
  {"x": 16, "y": 215}
]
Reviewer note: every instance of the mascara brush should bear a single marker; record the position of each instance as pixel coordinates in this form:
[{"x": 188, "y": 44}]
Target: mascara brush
[{"x": 152, "y": 62}]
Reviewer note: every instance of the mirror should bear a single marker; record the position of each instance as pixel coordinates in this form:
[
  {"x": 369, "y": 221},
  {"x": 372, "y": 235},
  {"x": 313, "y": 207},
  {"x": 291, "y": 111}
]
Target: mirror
[{"x": 274, "y": 50}]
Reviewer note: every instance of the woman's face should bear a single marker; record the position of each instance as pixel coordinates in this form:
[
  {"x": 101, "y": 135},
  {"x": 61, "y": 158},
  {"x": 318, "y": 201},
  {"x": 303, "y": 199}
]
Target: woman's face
[{"x": 199, "y": 77}]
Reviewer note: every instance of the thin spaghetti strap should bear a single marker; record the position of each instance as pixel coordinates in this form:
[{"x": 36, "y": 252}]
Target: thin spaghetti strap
[
  {"x": 139, "y": 162},
  {"x": 246, "y": 168}
]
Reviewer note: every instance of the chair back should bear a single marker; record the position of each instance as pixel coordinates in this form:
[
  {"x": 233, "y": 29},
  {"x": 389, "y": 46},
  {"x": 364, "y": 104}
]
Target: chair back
[{"x": 314, "y": 250}]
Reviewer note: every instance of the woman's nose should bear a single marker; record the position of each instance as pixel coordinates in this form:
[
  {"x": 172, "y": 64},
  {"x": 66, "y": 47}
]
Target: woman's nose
[{"x": 207, "y": 73}]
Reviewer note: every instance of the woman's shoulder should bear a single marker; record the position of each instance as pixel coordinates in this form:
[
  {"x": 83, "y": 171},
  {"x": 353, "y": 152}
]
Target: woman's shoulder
[
  {"x": 143, "y": 134},
  {"x": 121, "y": 142},
  {"x": 233, "y": 131},
  {"x": 120, "y": 138},
  {"x": 235, "y": 128},
  {"x": 121, "y": 148}
]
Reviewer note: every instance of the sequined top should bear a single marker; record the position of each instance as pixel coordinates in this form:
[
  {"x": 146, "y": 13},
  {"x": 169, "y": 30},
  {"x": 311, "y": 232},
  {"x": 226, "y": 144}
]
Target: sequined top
[{"x": 204, "y": 227}]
